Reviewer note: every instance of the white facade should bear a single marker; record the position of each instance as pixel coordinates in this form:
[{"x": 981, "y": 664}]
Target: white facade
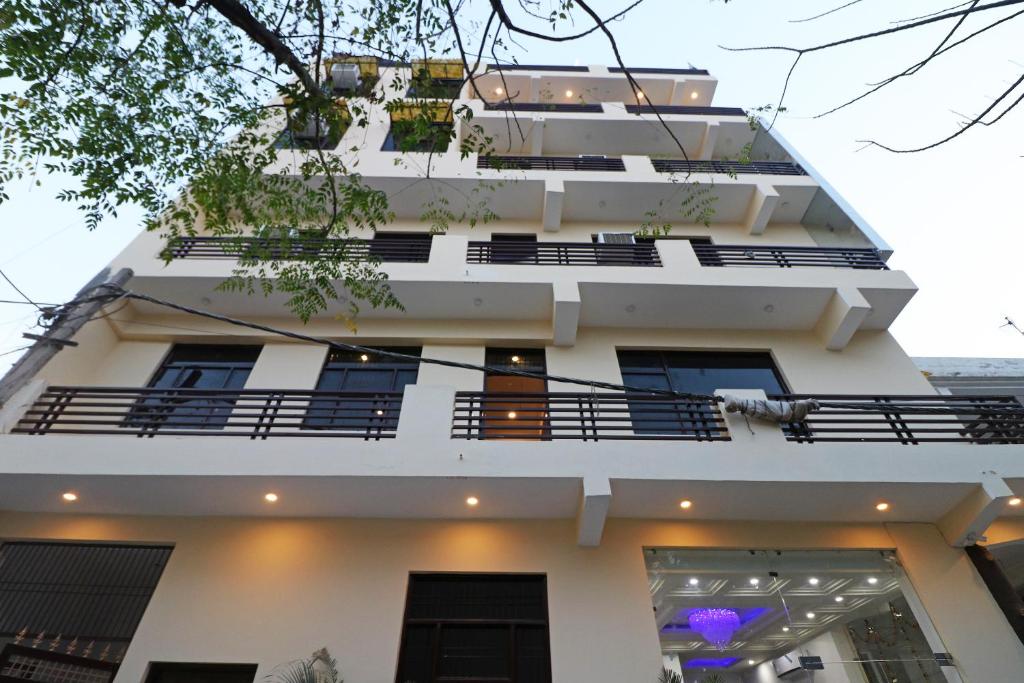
[{"x": 328, "y": 563}]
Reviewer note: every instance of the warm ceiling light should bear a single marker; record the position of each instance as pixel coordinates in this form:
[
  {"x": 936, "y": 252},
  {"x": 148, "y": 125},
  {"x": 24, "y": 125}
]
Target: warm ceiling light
[
  {"x": 69, "y": 496},
  {"x": 694, "y": 581},
  {"x": 639, "y": 94},
  {"x": 270, "y": 497},
  {"x": 515, "y": 359},
  {"x": 750, "y": 662},
  {"x": 568, "y": 93},
  {"x": 499, "y": 91},
  {"x": 839, "y": 598},
  {"x": 755, "y": 581},
  {"x": 882, "y": 507},
  {"x": 1014, "y": 502},
  {"x": 685, "y": 504},
  {"x": 811, "y": 615},
  {"x": 512, "y": 415},
  {"x": 364, "y": 358},
  {"x": 472, "y": 501},
  {"x": 872, "y": 580},
  {"x": 380, "y": 412},
  {"x": 813, "y": 581},
  {"x": 694, "y": 95},
  {"x": 785, "y": 629}
]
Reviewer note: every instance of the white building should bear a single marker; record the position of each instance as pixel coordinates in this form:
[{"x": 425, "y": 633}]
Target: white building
[{"x": 432, "y": 523}]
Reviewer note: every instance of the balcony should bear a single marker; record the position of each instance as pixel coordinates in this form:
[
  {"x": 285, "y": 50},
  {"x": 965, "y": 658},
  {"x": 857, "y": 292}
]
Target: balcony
[
  {"x": 539, "y": 163},
  {"x": 254, "y": 414},
  {"x": 727, "y": 167},
  {"x": 684, "y": 110},
  {"x": 563, "y": 254},
  {"x": 739, "y": 255},
  {"x": 544, "y": 107},
  {"x": 391, "y": 250}
]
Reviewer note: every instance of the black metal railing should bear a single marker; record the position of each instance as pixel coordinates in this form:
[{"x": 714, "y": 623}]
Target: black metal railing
[
  {"x": 789, "y": 257},
  {"x": 253, "y": 413},
  {"x": 684, "y": 109},
  {"x": 911, "y": 420},
  {"x": 729, "y": 167},
  {"x": 537, "y": 67},
  {"x": 563, "y": 254},
  {"x": 657, "y": 70},
  {"x": 585, "y": 417},
  {"x": 22, "y": 663},
  {"x": 542, "y": 106},
  {"x": 394, "y": 250},
  {"x": 551, "y": 163}
]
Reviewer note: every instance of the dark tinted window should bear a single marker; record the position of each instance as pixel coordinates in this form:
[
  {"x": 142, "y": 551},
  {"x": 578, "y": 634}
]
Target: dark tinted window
[
  {"x": 700, "y": 372},
  {"x": 475, "y": 627},
  {"x": 174, "y": 672},
  {"x": 369, "y": 377}
]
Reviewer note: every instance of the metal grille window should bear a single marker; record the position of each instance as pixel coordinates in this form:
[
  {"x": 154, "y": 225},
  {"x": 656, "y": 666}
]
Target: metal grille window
[
  {"x": 218, "y": 369},
  {"x": 370, "y": 382},
  {"x": 695, "y": 373},
  {"x": 475, "y": 627},
  {"x": 176, "y": 672},
  {"x": 69, "y": 610}
]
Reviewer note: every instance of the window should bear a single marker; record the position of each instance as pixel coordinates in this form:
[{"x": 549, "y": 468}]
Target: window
[
  {"x": 695, "y": 373},
  {"x": 413, "y": 136},
  {"x": 515, "y": 248},
  {"x": 473, "y": 628},
  {"x": 516, "y": 406},
  {"x": 176, "y": 672},
  {"x": 221, "y": 369},
  {"x": 370, "y": 385},
  {"x": 85, "y": 599}
]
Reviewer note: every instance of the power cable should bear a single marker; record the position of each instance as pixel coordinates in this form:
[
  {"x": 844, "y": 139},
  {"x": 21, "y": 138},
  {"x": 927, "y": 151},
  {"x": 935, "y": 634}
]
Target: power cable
[{"x": 23, "y": 295}]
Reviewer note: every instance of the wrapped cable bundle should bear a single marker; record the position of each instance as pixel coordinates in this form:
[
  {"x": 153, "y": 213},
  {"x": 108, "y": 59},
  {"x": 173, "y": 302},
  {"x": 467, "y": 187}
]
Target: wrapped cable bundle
[{"x": 773, "y": 411}]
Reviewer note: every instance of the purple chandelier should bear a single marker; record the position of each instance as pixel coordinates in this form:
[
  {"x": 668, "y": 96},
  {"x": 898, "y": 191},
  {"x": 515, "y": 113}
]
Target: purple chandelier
[{"x": 716, "y": 625}]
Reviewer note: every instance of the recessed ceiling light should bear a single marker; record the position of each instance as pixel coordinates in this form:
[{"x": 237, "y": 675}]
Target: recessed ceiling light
[
  {"x": 472, "y": 501},
  {"x": 785, "y": 629},
  {"x": 515, "y": 359},
  {"x": 499, "y": 91},
  {"x": 754, "y": 581},
  {"x": 872, "y": 580},
  {"x": 270, "y": 497},
  {"x": 639, "y": 94},
  {"x": 694, "y": 95},
  {"x": 1014, "y": 501},
  {"x": 69, "y": 496},
  {"x": 694, "y": 581},
  {"x": 839, "y": 598},
  {"x": 512, "y": 415},
  {"x": 568, "y": 93},
  {"x": 813, "y": 581},
  {"x": 750, "y": 662},
  {"x": 364, "y": 358},
  {"x": 686, "y": 504},
  {"x": 811, "y": 615},
  {"x": 882, "y": 507},
  {"x": 380, "y": 412}
]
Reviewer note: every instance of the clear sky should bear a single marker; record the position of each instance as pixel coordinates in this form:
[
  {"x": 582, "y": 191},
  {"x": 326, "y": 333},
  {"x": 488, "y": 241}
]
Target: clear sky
[{"x": 952, "y": 214}]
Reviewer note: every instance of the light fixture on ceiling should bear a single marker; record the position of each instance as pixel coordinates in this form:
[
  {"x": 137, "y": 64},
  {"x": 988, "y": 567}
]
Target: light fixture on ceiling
[
  {"x": 1014, "y": 501},
  {"x": 694, "y": 95},
  {"x": 568, "y": 93},
  {"x": 813, "y": 581},
  {"x": 693, "y": 581},
  {"x": 686, "y": 504},
  {"x": 472, "y": 501},
  {"x": 839, "y": 598},
  {"x": 882, "y": 507},
  {"x": 715, "y": 624},
  {"x": 811, "y": 615},
  {"x": 270, "y": 497},
  {"x": 754, "y": 581},
  {"x": 512, "y": 415},
  {"x": 639, "y": 94},
  {"x": 872, "y": 580},
  {"x": 380, "y": 412},
  {"x": 515, "y": 359},
  {"x": 785, "y": 629},
  {"x": 69, "y": 496},
  {"x": 499, "y": 91},
  {"x": 364, "y": 358},
  {"x": 750, "y": 662}
]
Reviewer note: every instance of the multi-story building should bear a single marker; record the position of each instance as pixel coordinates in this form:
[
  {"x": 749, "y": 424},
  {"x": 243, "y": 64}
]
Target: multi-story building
[{"x": 186, "y": 499}]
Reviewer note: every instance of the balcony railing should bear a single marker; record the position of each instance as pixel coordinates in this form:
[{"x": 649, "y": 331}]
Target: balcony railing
[
  {"x": 542, "y": 106},
  {"x": 551, "y": 163},
  {"x": 563, "y": 254},
  {"x": 584, "y": 417},
  {"x": 683, "y": 109},
  {"x": 657, "y": 70},
  {"x": 911, "y": 420},
  {"x": 256, "y": 414},
  {"x": 789, "y": 257},
  {"x": 22, "y": 663},
  {"x": 729, "y": 167},
  {"x": 394, "y": 250},
  {"x": 537, "y": 67}
]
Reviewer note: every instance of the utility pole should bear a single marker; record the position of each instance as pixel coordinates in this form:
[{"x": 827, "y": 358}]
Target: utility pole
[{"x": 59, "y": 336}]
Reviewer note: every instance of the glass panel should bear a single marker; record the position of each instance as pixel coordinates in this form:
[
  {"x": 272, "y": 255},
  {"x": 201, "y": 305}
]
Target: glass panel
[
  {"x": 472, "y": 652},
  {"x": 708, "y": 380},
  {"x": 532, "y": 654},
  {"x": 417, "y": 660},
  {"x": 477, "y": 596}
]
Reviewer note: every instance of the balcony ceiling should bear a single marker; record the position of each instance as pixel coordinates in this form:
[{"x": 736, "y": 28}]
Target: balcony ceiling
[{"x": 590, "y": 88}]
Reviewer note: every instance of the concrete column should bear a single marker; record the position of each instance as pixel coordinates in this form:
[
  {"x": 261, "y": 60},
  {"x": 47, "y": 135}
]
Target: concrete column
[
  {"x": 959, "y": 604},
  {"x": 287, "y": 366},
  {"x": 426, "y": 416},
  {"x": 448, "y": 253}
]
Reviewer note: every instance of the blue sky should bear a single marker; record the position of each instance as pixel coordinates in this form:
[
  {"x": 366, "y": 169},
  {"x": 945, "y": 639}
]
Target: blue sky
[{"x": 951, "y": 214}]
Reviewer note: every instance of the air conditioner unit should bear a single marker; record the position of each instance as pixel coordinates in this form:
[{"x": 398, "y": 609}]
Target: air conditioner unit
[
  {"x": 616, "y": 238},
  {"x": 345, "y": 76}
]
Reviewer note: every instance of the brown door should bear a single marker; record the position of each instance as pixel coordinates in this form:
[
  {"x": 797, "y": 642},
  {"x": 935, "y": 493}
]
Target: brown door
[{"x": 522, "y": 415}]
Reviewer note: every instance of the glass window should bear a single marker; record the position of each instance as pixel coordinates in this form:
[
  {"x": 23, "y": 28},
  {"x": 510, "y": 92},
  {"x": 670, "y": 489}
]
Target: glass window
[
  {"x": 475, "y": 627},
  {"x": 516, "y": 407},
  {"x": 370, "y": 382},
  {"x": 175, "y": 672},
  {"x": 186, "y": 372}
]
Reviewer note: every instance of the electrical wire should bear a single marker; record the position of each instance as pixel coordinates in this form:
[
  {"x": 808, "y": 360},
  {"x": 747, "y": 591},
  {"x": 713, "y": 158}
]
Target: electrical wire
[{"x": 16, "y": 289}]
